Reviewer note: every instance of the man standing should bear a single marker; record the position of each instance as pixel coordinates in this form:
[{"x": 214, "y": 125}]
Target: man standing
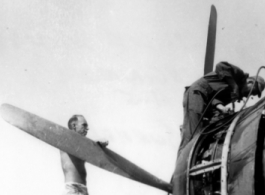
[
  {"x": 228, "y": 84},
  {"x": 73, "y": 167}
]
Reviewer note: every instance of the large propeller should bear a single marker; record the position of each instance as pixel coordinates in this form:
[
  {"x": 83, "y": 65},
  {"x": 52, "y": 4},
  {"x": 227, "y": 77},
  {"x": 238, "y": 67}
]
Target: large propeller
[
  {"x": 79, "y": 146},
  {"x": 210, "y": 47},
  {"x": 88, "y": 150}
]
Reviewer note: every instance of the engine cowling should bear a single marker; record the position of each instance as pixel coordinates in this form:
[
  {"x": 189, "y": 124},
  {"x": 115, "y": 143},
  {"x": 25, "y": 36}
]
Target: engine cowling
[{"x": 225, "y": 159}]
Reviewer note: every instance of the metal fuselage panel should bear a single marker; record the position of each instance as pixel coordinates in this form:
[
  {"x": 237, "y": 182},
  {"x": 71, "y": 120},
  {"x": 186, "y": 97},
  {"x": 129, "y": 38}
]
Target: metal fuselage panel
[
  {"x": 180, "y": 174},
  {"x": 241, "y": 167}
]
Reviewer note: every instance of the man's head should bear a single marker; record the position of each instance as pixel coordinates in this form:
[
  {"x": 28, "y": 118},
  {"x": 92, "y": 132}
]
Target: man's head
[
  {"x": 79, "y": 124},
  {"x": 258, "y": 88}
]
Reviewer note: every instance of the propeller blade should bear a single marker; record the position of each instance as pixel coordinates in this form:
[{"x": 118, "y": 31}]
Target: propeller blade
[
  {"x": 210, "y": 47},
  {"x": 79, "y": 146}
]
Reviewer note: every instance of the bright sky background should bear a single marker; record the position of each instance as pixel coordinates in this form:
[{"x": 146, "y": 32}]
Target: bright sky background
[{"x": 123, "y": 65}]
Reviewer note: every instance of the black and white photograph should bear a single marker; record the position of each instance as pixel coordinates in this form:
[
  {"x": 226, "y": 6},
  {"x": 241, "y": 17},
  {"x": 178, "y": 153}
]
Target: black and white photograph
[{"x": 142, "y": 97}]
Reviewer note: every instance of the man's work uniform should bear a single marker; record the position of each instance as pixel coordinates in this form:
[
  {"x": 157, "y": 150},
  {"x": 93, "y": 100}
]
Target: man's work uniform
[{"x": 228, "y": 78}]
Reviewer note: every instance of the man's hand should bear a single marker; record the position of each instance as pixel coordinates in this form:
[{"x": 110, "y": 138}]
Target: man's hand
[
  {"x": 103, "y": 144},
  {"x": 223, "y": 109}
]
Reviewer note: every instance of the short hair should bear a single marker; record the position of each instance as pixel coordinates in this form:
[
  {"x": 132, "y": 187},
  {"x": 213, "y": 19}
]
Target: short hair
[{"x": 73, "y": 119}]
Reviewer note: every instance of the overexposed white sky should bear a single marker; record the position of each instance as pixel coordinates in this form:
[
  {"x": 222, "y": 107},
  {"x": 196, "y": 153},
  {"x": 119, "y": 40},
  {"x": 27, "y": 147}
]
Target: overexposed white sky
[{"x": 123, "y": 65}]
